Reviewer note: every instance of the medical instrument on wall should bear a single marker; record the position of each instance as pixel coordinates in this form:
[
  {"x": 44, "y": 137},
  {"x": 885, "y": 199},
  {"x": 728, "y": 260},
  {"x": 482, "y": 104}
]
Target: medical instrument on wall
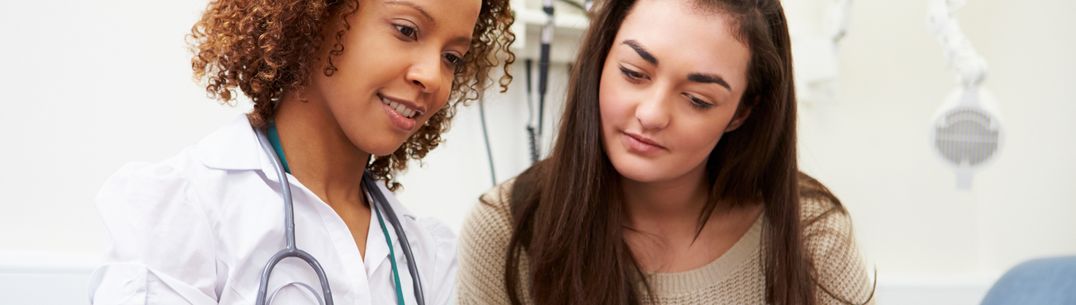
[
  {"x": 966, "y": 131},
  {"x": 485, "y": 138},
  {"x": 270, "y": 143},
  {"x": 534, "y": 128},
  {"x": 532, "y": 132},
  {"x": 536, "y": 109},
  {"x": 543, "y": 61},
  {"x": 584, "y": 6}
]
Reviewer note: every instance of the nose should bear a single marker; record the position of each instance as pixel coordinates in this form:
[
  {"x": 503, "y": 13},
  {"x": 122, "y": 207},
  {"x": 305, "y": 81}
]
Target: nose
[
  {"x": 425, "y": 73},
  {"x": 652, "y": 112}
]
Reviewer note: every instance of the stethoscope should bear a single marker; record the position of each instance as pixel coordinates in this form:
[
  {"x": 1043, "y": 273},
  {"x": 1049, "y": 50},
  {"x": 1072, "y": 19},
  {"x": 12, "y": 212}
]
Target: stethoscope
[{"x": 270, "y": 142}]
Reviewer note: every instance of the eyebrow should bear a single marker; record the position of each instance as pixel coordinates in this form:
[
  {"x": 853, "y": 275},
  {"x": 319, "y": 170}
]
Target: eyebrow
[
  {"x": 642, "y": 51},
  {"x": 704, "y": 78},
  {"x": 414, "y": 6},
  {"x": 709, "y": 79}
]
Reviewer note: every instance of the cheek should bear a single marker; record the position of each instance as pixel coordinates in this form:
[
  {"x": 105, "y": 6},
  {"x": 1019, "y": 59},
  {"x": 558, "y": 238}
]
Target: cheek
[
  {"x": 445, "y": 91},
  {"x": 701, "y": 143},
  {"x": 613, "y": 105},
  {"x": 700, "y": 137},
  {"x": 356, "y": 69},
  {"x": 439, "y": 104}
]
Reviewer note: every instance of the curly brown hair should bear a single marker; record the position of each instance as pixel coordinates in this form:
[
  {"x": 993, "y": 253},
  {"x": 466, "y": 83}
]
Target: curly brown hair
[{"x": 267, "y": 48}]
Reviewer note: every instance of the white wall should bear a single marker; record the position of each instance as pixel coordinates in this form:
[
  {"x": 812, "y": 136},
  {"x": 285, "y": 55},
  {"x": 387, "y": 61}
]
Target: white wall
[
  {"x": 871, "y": 144},
  {"x": 871, "y": 147},
  {"x": 91, "y": 85},
  {"x": 88, "y": 86}
]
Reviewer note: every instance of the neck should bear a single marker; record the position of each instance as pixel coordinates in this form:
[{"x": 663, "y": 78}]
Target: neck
[
  {"x": 319, "y": 154},
  {"x": 668, "y": 206}
]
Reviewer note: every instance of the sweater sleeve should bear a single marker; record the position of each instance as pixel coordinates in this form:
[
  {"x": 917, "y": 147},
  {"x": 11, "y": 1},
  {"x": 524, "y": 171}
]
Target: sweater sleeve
[
  {"x": 483, "y": 249},
  {"x": 838, "y": 267}
]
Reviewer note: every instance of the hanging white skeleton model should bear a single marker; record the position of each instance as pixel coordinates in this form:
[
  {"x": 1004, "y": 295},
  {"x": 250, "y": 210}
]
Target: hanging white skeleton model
[{"x": 966, "y": 131}]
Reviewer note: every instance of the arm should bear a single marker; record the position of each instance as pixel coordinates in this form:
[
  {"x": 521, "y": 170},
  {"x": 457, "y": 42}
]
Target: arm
[
  {"x": 483, "y": 247},
  {"x": 838, "y": 267},
  {"x": 441, "y": 283},
  {"x": 160, "y": 243}
]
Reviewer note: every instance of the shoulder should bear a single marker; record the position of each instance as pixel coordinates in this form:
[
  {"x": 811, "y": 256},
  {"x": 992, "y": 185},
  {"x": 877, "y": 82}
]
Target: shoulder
[
  {"x": 499, "y": 196},
  {"x": 483, "y": 249},
  {"x": 176, "y": 179},
  {"x": 827, "y": 228},
  {"x": 440, "y": 269},
  {"x": 492, "y": 212},
  {"x": 828, "y": 236},
  {"x": 440, "y": 234},
  {"x": 139, "y": 186},
  {"x": 423, "y": 232},
  {"x": 830, "y": 246},
  {"x": 438, "y": 237},
  {"x": 154, "y": 219},
  {"x": 820, "y": 210},
  {"x": 169, "y": 203}
]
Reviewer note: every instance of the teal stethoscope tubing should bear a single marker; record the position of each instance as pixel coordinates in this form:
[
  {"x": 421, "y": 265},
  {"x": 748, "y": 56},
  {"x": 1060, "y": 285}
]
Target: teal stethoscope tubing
[{"x": 270, "y": 143}]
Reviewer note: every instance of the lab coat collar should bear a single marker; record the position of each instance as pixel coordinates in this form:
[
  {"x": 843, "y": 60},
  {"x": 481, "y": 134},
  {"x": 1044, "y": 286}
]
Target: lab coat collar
[
  {"x": 396, "y": 206},
  {"x": 235, "y": 147},
  {"x": 377, "y": 252}
]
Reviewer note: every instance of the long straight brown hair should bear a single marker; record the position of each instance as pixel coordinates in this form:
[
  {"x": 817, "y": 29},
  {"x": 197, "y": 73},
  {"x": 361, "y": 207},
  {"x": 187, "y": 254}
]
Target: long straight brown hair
[{"x": 567, "y": 215}]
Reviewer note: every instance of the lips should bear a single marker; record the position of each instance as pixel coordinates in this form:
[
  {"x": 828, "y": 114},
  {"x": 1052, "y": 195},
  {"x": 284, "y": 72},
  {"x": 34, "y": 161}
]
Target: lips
[
  {"x": 640, "y": 144},
  {"x": 401, "y": 113},
  {"x": 401, "y": 107}
]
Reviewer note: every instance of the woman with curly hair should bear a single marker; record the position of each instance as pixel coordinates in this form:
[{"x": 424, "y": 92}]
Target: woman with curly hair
[{"x": 344, "y": 92}]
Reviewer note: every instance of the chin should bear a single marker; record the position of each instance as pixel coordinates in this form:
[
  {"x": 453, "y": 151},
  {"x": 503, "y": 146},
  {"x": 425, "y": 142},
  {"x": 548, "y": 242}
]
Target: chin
[
  {"x": 379, "y": 147},
  {"x": 386, "y": 149},
  {"x": 639, "y": 170},
  {"x": 381, "y": 153}
]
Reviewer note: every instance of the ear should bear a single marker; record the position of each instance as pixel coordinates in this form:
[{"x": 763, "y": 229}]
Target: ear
[{"x": 737, "y": 120}]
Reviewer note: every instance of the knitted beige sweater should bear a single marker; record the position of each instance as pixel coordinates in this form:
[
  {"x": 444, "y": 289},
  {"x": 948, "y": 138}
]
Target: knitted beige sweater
[{"x": 734, "y": 278}]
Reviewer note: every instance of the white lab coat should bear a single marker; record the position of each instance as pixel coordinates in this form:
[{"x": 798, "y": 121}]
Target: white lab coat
[{"x": 198, "y": 229}]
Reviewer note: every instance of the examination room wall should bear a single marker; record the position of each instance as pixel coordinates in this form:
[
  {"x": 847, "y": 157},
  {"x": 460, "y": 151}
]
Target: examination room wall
[{"x": 91, "y": 85}]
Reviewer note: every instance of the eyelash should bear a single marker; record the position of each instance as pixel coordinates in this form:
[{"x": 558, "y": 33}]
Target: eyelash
[
  {"x": 632, "y": 75},
  {"x": 698, "y": 103},
  {"x": 412, "y": 33},
  {"x": 400, "y": 28},
  {"x": 454, "y": 60},
  {"x": 635, "y": 76}
]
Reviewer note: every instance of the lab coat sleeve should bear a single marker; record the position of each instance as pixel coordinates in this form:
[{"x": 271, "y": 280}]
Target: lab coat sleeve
[
  {"x": 441, "y": 283},
  {"x": 160, "y": 241}
]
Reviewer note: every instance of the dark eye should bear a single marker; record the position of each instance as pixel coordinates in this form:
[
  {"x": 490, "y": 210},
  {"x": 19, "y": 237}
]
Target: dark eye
[
  {"x": 407, "y": 31},
  {"x": 698, "y": 102},
  {"x": 453, "y": 59},
  {"x": 632, "y": 74}
]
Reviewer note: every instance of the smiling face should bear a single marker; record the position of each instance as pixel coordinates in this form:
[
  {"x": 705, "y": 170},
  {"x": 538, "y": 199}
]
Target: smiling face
[
  {"x": 671, "y": 85},
  {"x": 396, "y": 70}
]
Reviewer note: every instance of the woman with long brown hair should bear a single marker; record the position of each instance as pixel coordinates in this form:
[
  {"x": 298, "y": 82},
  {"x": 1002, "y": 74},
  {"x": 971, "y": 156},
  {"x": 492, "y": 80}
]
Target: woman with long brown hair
[{"x": 673, "y": 178}]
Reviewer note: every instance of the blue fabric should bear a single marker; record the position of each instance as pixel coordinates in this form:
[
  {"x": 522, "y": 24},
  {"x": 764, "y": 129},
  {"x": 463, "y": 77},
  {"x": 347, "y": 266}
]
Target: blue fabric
[
  {"x": 1048, "y": 281},
  {"x": 274, "y": 138},
  {"x": 392, "y": 259}
]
